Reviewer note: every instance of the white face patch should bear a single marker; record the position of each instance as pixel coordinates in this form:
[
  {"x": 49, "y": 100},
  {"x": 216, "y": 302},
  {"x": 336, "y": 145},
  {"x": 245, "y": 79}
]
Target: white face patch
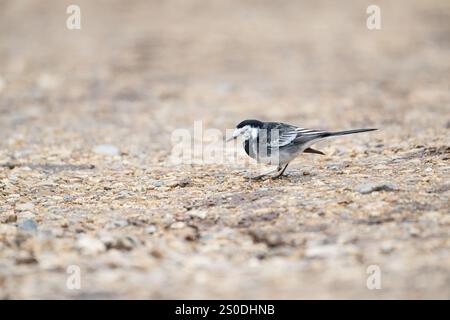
[{"x": 247, "y": 132}]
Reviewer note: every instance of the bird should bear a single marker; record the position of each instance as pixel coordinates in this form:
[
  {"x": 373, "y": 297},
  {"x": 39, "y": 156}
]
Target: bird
[{"x": 277, "y": 143}]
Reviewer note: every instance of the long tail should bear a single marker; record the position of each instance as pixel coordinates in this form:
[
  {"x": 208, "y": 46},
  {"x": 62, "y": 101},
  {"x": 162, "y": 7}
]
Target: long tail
[{"x": 342, "y": 133}]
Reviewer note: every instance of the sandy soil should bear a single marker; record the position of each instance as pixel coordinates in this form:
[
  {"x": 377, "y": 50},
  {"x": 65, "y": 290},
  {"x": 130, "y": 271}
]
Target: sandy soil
[{"x": 86, "y": 123}]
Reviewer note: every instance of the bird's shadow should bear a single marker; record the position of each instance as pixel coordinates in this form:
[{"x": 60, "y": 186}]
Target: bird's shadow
[
  {"x": 291, "y": 177},
  {"x": 268, "y": 177}
]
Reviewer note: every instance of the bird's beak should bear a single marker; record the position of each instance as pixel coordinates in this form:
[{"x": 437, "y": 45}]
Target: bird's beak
[{"x": 236, "y": 134}]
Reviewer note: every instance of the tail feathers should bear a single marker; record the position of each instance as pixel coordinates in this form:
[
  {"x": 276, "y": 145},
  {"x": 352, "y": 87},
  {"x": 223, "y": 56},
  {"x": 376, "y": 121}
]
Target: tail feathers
[
  {"x": 311, "y": 150},
  {"x": 342, "y": 133}
]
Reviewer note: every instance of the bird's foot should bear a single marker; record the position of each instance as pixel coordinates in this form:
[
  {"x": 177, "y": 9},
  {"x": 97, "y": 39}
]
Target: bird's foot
[
  {"x": 280, "y": 172},
  {"x": 278, "y": 176}
]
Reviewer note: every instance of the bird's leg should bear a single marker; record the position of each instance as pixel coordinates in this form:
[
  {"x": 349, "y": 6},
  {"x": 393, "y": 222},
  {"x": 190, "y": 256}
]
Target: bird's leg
[{"x": 280, "y": 171}]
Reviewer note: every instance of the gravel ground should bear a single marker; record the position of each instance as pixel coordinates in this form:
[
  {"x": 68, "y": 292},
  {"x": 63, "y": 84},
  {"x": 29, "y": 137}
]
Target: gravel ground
[{"x": 86, "y": 178}]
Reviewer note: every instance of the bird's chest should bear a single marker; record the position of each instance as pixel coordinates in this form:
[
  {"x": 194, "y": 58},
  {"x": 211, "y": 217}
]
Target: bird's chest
[
  {"x": 263, "y": 153},
  {"x": 257, "y": 149}
]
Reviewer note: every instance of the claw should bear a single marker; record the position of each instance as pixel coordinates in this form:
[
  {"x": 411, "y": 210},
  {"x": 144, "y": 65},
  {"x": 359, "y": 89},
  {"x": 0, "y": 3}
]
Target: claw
[{"x": 278, "y": 176}]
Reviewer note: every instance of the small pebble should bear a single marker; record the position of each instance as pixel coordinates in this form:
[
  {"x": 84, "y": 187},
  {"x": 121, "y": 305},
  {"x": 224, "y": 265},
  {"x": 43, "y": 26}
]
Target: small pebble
[
  {"x": 107, "y": 150},
  {"x": 90, "y": 245},
  {"x": 366, "y": 188},
  {"x": 68, "y": 197},
  {"x": 178, "y": 225},
  {"x": 24, "y": 206},
  {"x": 197, "y": 214},
  {"x": 28, "y": 225},
  {"x": 150, "y": 229}
]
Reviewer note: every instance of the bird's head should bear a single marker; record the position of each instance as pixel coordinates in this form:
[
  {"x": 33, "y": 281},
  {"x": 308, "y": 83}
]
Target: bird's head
[{"x": 248, "y": 129}]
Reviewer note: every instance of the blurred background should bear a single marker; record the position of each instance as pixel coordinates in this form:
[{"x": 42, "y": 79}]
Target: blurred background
[
  {"x": 137, "y": 70},
  {"x": 173, "y": 62}
]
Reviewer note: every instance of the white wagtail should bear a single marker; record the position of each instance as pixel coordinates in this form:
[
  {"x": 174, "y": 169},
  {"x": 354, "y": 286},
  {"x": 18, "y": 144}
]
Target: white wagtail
[{"x": 276, "y": 143}]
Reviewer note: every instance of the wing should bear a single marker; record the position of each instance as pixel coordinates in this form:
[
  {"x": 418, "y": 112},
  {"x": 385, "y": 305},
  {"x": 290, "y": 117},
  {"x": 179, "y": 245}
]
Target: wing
[{"x": 281, "y": 134}]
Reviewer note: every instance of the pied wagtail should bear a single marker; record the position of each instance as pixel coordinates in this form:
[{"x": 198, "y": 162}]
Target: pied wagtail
[{"x": 276, "y": 143}]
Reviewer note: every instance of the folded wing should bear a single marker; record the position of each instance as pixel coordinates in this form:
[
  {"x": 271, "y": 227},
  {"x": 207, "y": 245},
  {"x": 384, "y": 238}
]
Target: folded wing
[{"x": 283, "y": 134}]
